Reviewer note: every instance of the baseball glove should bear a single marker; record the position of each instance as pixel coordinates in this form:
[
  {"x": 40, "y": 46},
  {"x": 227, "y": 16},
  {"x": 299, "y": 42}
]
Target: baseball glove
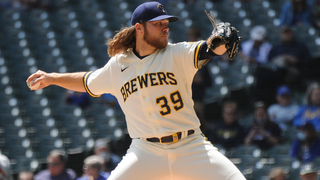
[{"x": 223, "y": 33}]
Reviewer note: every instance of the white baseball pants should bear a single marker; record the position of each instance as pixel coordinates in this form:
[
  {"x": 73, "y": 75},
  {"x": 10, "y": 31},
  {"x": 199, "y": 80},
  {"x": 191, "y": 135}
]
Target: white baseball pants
[{"x": 192, "y": 158}]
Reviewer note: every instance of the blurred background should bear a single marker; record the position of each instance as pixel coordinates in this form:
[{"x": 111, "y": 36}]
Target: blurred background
[{"x": 70, "y": 35}]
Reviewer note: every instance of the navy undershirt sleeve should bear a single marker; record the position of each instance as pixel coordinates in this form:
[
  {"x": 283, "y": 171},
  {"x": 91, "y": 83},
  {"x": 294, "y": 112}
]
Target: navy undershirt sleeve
[{"x": 203, "y": 54}]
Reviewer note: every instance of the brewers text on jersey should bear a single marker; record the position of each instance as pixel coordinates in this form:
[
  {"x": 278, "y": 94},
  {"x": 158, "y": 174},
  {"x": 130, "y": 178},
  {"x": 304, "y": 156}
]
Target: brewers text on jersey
[{"x": 143, "y": 81}]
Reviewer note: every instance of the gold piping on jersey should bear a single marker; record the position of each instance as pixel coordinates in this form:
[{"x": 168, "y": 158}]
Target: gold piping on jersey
[
  {"x": 196, "y": 55},
  {"x": 85, "y": 77}
]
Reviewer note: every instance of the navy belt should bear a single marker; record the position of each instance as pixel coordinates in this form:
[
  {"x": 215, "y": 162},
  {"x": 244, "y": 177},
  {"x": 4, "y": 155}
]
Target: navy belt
[{"x": 169, "y": 139}]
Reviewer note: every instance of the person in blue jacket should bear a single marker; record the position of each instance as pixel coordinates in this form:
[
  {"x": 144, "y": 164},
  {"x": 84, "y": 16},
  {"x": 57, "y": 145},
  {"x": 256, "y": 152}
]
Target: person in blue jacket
[
  {"x": 93, "y": 166},
  {"x": 296, "y": 13},
  {"x": 310, "y": 112},
  {"x": 306, "y": 146}
]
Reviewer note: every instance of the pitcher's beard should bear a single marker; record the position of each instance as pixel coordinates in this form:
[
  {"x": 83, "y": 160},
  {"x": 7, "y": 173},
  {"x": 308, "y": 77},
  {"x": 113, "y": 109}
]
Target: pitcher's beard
[{"x": 157, "y": 43}]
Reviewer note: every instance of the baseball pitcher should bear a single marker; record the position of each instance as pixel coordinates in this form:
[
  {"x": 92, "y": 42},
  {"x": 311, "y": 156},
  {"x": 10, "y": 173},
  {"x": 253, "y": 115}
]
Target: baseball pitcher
[{"x": 151, "y": 79}]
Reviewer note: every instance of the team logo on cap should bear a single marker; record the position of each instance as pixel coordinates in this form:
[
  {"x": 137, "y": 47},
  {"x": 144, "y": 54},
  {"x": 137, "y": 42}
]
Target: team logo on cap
[{"x": 161, "y": 8}]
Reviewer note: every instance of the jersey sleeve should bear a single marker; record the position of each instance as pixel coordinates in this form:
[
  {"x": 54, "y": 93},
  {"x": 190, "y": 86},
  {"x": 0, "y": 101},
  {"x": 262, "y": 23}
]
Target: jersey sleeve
[
  {"x": 99, "y": 82},
  {"x": 187, "y": 54},
  {"x": 197, "y": 51}
]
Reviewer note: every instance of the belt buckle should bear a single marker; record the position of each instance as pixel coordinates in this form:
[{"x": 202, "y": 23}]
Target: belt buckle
[{"x": 175, "y": 137}]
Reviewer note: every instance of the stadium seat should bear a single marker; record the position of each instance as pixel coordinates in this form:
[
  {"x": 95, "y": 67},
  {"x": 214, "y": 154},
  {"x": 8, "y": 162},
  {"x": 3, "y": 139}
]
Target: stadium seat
[
  {"x": 289, "y": 135},
  {"x": 30, "y": 164},
  {"x": 78, "y": 141},
  {"x": 101, "y": 131},
  {"x": 316, "y": 161},
  {"x": 250, "y": 150},
  {"x": 46, "y": 145},
  {"x": 249, "y": 161},
  {"x": 279, "y": 150},
  {"x": 261, "y": 174},
  {"x": 284, "y": 161},
  {"x": 11, "y": 131}
]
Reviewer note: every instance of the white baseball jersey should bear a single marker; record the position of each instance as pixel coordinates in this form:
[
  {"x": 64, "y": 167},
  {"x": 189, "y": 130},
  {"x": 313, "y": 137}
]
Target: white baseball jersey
[{"x": 154, "y": 92}]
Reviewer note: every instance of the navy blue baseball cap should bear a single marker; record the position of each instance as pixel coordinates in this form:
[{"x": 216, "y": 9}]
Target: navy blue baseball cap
[
  {"x": 150, "y": 11},
  {"x": 284, "y": 90}
]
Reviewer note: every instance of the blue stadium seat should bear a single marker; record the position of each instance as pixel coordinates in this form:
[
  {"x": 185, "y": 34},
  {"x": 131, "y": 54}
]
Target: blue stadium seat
[
  {"x": 261, "y": 174},
  {"x": 250, "y": 150},
  {"x": 279, "y": 150},
  {"x": 78, "y": 141},
  {"x": 289, "y": 135},
  {"x": 47, "y": 144},
  {"x": 249, "y": 161},
  {"x": 284, "y": 161}
]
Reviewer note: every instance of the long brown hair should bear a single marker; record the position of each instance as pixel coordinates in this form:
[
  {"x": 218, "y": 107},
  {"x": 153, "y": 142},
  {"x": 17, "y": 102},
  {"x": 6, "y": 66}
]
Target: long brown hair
[{"x": 124, "y": 39}]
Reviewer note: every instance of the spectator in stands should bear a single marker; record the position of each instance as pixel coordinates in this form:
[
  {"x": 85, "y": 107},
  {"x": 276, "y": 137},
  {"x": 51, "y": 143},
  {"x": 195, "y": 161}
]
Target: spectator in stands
[
  {"x": 56, "y": 168},
  {"x": 306, "y": 147},
  {"x": 80, "y": 99},
  {"x": 277, "y": 173},
  {"x": 263, "y": 132},
  {"x": 102, "y": 148},
  {"x": 25, "y": 175},
  {"x": 5, "y": 169},
  {"x": 228, "y": 133},
  {"x": 310, "y": 111},
  {"x": 291, "y": 55},
  {"x": 296, "y": 13},
  {"x": 256, "y": 50},
  {"x": 308, "y": 172},
  {"x": 284, "y": 111},
  {"x": 93, "y": 166}
]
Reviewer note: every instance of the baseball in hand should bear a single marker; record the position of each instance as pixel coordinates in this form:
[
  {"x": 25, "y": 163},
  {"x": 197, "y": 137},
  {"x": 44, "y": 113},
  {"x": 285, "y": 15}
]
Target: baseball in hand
[{"x": 31, "y": 84}]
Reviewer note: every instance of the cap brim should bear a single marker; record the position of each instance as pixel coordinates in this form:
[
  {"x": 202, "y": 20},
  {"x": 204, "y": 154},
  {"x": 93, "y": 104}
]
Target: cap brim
[
  {"x": 307, "y": 172},
  {"x": 171, "y": 18}
]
